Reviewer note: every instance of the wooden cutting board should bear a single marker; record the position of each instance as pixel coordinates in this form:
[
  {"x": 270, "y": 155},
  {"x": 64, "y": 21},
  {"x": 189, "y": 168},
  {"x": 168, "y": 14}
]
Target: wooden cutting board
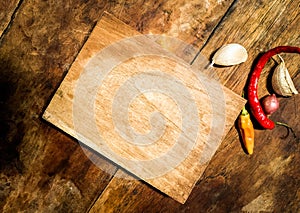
[{"x": 143, "y": 108}]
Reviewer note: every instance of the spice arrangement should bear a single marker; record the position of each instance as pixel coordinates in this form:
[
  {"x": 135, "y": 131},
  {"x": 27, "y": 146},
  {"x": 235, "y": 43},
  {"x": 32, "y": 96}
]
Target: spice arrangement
[
  {"x": 254, "y": 103},
  {"x": 260, "y": 109}
]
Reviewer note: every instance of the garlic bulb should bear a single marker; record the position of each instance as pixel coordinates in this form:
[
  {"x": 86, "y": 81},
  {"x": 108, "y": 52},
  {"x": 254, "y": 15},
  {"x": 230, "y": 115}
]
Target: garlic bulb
[
  {"x": 282, "y": 82},
  {"x": 230, "y": 54}
]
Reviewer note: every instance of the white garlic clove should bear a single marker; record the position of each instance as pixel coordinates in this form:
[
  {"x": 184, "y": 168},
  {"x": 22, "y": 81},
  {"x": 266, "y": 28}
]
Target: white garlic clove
[
  {"x": 230, "y": 54},
  {"x": 282, "y": 82}
]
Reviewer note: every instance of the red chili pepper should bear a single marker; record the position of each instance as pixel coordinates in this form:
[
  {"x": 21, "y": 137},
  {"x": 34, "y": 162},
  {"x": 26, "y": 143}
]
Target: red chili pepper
[{"x": 254, "y": 103}]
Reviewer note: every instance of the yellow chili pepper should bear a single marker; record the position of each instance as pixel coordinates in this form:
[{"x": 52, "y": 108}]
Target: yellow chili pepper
[{"x": 247, "y": 131}]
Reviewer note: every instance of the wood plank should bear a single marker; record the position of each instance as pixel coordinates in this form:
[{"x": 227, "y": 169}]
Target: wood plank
[
  {"x": 242, "y": 183},
  {"x": 123, "y": 195},
  {"x": 263, "y": 182},
  {"x": 168, "y": 15},
  {"x": 99, "y": 77},
  {"x": 267, "y": 181},
  {"x": 79, "y": 31},
  {"x": 263, "y": 27},
  {"x": 42, "y": 170},
  {"x": 51, "y": 36},
  {"x": 7, "y": 9},
  {"x": 190, "y": 21}
]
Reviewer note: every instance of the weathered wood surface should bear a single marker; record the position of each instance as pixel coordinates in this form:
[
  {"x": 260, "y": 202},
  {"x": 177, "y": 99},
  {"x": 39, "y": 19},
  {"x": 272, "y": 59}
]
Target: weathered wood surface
[
  {"x": 40, "y": 166},
  {"x": 39, "y": 47},
  {"x": 70, "y": 110},
  {"x": 7, "y": 11},
  {"x": 265, "y": 181}
]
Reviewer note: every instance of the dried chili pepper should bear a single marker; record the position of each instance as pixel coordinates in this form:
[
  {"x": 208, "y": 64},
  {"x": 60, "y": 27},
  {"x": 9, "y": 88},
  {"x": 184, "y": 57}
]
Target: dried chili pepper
[
  {"x": 246, "y": 130},
  {"x": 254, "y": 103}
]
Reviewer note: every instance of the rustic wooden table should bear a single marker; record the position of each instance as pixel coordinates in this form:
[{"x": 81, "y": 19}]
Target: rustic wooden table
[{"x": 44, "y": 170}]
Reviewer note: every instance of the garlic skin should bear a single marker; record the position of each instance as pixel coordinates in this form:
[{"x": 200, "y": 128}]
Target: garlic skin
[
  {"x": 230, "y": 54},
  {"x": 282, "y": 82}
]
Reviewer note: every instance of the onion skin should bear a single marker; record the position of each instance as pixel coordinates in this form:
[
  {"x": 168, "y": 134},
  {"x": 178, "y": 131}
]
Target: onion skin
[{"x": 270, "y": 104}]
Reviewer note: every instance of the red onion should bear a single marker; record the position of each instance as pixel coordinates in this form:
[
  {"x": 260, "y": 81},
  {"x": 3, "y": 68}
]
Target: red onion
[{"x": 270, "y": 104}]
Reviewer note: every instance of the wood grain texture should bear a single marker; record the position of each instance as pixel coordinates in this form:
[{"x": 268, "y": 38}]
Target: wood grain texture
[
  {"x": 40, "y": 170},
  {"x": 234, "y": 181},
  {"x": 189, "y": 20},
  {"x": 36, "y": 51},
  {"x": 39, "y": 47},
  {"x": 167, "y": 153},
  {"x": 7, "y": 9},
  {"x": 262, "y": 27}
]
